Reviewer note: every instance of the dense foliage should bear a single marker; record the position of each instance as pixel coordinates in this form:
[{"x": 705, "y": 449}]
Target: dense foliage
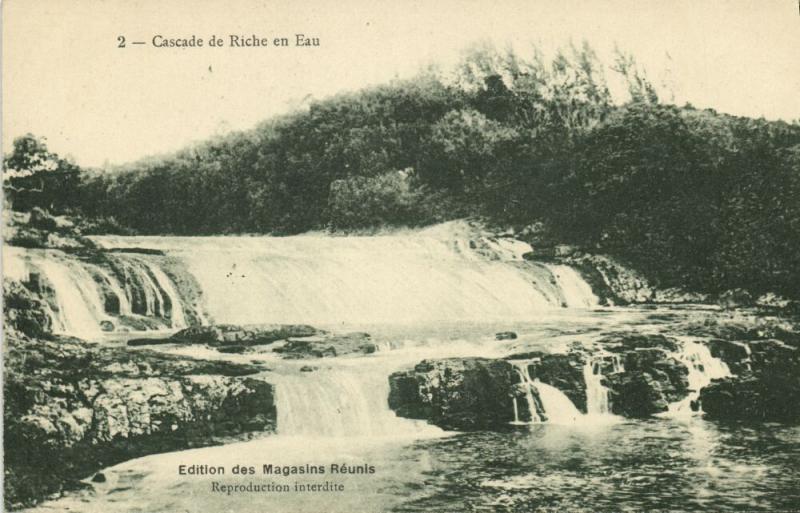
[{"x": 692, "y": 197}]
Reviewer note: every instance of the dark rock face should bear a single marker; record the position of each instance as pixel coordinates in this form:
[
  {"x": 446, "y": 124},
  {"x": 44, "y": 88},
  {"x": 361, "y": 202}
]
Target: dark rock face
[
  {"x": 479, "y": 393},
  {"x": 24, "y": 311},
  {"x": 327, "y": 346},
  {"x": 87, "y": 407},
  {"x": 652, "y": 378},
  {"x": 457, "y": 393},
  {"x": 754, "y": 397},
  {"x": 766, "y": 388},
  {"x": 611, "y": 281}
]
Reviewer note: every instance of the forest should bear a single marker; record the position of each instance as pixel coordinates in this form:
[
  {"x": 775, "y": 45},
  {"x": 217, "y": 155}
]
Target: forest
[{"x": 693, "y": 198}]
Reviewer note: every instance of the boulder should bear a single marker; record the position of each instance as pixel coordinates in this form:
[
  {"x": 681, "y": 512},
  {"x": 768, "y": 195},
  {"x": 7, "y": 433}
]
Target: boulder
[{"x": 458, "y": 393}]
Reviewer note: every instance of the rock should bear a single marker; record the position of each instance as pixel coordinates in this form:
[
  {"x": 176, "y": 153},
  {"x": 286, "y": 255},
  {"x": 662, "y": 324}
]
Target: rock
[
  {"x": 757, "y": 397},
  {"x": 676, "y": 295},
  {"x": 87, "y": 406},
  {"x": 651, "y": 380},
  {"x": 254, "y": 334},
  {"x": 327, "y": 346},
  {"x": 505, "y": 335},
  {"x": 308, "y": 368},
  {"x": 149, "y": 341},
  {"x": 24, "y": 310},
  {"x": 735, "y": 298},
  {"x": 107, "y": 326},
  {"x": 611, "y": 281},
  {"x": 457, "y": 393}
]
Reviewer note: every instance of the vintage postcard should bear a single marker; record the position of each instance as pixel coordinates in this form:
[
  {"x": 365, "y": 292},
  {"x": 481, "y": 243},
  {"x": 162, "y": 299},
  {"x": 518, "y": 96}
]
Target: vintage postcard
[{"x": 400, "y": 256}]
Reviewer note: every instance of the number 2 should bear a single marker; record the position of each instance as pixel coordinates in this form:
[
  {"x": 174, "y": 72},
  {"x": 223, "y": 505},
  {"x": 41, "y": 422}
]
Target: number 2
[{"x": 121, "y": 40}]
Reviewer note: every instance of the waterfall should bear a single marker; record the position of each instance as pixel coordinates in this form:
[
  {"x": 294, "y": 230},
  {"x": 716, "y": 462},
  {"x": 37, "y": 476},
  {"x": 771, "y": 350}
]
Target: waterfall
[
  {"x": 703, "y": 368},
  {"x": 341, "y": 402},
  {"x": 76, "y": 292},
  {"x": 574, "y": 289},
  {"x": 113, "y": 284},
  {"x": 597, "y": 402},
  {"x": 78, "y": 312},
  {"x": 178, "y": 320},
  {"x": 521, "y": 366},
  {"x": 557, "y": 407},
  {"x": 425, "y": 276}
]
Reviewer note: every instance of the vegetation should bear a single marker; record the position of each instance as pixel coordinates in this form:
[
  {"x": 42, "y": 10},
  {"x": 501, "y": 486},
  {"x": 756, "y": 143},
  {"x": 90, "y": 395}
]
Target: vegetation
[{"x": 692, "y": 197}]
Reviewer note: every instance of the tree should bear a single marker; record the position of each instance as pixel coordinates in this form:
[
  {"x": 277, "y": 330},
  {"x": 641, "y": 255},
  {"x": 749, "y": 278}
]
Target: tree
[{"x": 35, "y": 177}]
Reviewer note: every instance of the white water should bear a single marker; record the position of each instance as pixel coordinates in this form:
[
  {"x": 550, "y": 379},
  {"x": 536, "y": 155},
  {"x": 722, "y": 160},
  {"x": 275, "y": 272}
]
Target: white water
[
  {"x": 527, "y": 384},
  {"x": 577, "y": 293},
  {"x": 703, "y": 368},
  {"x": 557, "y": 406},
  {"x": 402, "y": 278},
  {"x": 177, "y": 317},
  {"x": 341, "y": 402},
  {"x": 76, "y": 301},
  {"x": 597, "y": 402},
  {"x": 122, "y": 296}
]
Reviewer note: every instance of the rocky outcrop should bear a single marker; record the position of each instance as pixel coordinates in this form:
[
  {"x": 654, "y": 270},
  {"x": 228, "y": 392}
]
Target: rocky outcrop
[
  {"x": 651, "y": 377},
  {"x": 246, "y": 335},
  {"x": 640, "y": 372},
  {"x": 611, "y": 281},
  {"x": 25, "y": 311},
  {"x": 765, "y": 387},
  {"x": 291, "y": 341},
  {"x": 72, "y": 408},
  {"x": 457, "y": 393},
  {"x": 327, "y": 346}
]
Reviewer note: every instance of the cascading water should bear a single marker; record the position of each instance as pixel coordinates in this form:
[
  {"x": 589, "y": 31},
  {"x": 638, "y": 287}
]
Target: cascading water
[
  {"x": 574, "y": 289},
  {"x": 86, "y": 298},
  {"x": 556, "y": 407},
  {"x": 177, "y": 317},
  {"x": 401, "y": 278},
  {"x": 77, "y": 302},
  {"x": 341, "y": 402},
  {"x": 597, "y": 402},
  {"x": 527, "y": 385},
  {"x": 703, "y": 367}
]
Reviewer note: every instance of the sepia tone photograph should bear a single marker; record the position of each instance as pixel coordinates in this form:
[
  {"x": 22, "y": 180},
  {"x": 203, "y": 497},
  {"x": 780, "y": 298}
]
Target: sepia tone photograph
[{"x": 400, "y": 256}]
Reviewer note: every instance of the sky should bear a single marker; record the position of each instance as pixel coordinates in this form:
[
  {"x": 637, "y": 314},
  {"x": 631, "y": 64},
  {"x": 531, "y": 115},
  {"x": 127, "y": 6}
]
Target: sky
[{"x": 64, "y": 77}]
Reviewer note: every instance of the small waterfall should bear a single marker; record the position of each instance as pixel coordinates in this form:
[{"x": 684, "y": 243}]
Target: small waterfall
[
  {"x": 576, "y": 292},
  {"x": 116, "y": 288},
  {"x": 703, "y": 368},
  {"x": 77, "y": 292},
  {"x": 521, "y": 366},
  {"x": 343, "y": 402},
  {"x": 177, "y": 317},
  {"x": 597, "y": 402},
  {"x": 78, "y": 312},
  {"x": 558, "y": 408}
]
